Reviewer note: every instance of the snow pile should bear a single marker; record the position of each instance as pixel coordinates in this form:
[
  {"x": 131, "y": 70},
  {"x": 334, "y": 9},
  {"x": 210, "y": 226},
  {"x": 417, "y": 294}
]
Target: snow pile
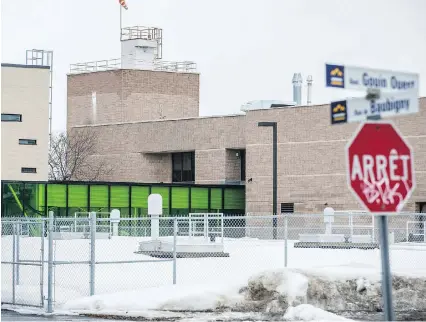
[
  {"x": 294, "y": 294},
  {"x": 165, "y": 298},
  {"x": 307, "y": 312},
  {"x": 365, "y": 293},
  {"x": 273, "y": 291}
]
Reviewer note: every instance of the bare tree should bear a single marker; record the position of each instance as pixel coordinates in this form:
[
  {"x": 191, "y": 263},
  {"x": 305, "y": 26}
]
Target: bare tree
[{"x": 71, "y": 157}]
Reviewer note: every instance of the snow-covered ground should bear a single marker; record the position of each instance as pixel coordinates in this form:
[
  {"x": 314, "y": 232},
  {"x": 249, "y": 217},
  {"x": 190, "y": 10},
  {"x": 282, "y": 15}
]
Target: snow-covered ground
[{"x": 251, "y": 279}]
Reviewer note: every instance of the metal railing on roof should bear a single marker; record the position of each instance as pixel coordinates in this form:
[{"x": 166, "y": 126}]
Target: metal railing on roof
[
  {"x": 141, "y": 32},
  {"x": 115, "y": 64}
]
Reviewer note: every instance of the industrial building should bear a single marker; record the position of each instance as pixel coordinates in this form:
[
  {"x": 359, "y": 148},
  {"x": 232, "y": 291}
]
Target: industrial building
[
  {"x": 25, "y": 118},
  {"x": 145, "y": 113}
]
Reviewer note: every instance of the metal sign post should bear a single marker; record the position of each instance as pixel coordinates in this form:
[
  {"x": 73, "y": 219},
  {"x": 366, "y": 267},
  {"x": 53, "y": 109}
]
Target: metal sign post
[
  {"x": 386, "y": 273},
  {"x": 380, "y": 168},
  {"x": 381, "y": 176}
]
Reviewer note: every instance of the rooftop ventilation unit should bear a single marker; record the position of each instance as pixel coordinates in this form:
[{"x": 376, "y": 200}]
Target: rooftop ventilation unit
[{"x": 265, "y": 104}]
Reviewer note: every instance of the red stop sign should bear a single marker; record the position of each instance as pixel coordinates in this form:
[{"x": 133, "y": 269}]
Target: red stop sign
[{"x": 380, "y": 167}]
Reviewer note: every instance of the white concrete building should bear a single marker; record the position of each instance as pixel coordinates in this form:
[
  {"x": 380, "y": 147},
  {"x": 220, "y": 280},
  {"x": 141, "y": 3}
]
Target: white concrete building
[{"x": 24, "y": 122}]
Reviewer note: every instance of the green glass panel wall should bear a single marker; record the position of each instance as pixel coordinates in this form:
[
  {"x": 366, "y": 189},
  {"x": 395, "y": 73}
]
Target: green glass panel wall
[
  {"x": 57, "y": 199},
  {"x": 11, "y": 202},
  {"x": 28, "y": 199},
  {"x": 199, "y": 198},
  {"x": 216, "y": 199},
  {"x": 77, "y": 199},
  {"x": 234, "y": 198},
  {"x": 139, "y": 201},
  {"x": 180, "y": 197},
  {"x": 180, "y": 201},
  {"x": 40, "y": 205},
  {"x": 164, "y": 192},
  {"x": 56, "y": 195},
  {"x": 140, "y": 197},
  {"x": 119, "y": 196},
  {"x": 99, "y": 198}
]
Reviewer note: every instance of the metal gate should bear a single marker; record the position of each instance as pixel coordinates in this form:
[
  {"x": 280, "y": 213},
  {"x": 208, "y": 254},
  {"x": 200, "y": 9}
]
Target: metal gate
[{"x": 22, "y": 254}]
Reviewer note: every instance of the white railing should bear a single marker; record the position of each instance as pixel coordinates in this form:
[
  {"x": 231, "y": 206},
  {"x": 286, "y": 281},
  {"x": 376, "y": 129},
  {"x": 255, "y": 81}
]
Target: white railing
[
  {"x": 354, "y": 226},
  {"x": 202, "y": 221},
  {"x": 115, "y": 64},
  {"x": 416, "y": 228}
]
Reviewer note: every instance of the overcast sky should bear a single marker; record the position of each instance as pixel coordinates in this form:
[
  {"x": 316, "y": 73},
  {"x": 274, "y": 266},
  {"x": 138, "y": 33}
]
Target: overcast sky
[{"x": 245, "y": 49}]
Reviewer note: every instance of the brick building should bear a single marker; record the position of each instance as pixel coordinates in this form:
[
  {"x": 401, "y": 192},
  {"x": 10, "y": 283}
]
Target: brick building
[{"x": 149, "y": 130}]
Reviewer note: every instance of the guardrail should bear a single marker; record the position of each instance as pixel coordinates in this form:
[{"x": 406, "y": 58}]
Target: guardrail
[{"x": 115, "y": 64}]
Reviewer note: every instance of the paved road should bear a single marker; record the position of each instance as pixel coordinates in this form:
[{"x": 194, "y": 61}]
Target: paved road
[
  {"x": 361, "y": 316},
  {"x": 13, "y": 316}
]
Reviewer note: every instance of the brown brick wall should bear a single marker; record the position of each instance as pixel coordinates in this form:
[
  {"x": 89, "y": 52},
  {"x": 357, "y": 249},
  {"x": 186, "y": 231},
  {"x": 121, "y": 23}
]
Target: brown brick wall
[
  {"x": 232, "y": 165},
  {"x": 137, "y": 142},
  {"x": 210, "y": 166},
  {"x": 311, "y": 166},
  {"x": 131, "y": 95},
  {"x": 131, "y": 167},
  {"x": 172, "y": 135}
]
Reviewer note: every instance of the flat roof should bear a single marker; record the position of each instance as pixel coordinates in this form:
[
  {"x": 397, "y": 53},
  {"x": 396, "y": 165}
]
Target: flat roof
[
  {"x": 24, "y": 66},
  {"x": 242, "y": 114},
  {"x": 163, "y": 120}
]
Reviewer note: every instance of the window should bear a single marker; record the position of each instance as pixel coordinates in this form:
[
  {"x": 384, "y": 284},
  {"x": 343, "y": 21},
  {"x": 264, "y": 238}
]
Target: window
[
  {"x": 287, "y": 208},
  {"x": 28, "y": 170},
  {"x": 243, "y": 164},
  {"x": 27, "y": 142},
  {"x": 183, "y": 167},
  {"x": 11, "y": 117}
]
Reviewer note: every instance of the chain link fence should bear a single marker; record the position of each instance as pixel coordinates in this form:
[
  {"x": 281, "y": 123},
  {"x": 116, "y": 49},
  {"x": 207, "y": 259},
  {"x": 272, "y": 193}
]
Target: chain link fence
[
  {"x": 23, "y": 250},
  {"x": 47, "y": 262}
]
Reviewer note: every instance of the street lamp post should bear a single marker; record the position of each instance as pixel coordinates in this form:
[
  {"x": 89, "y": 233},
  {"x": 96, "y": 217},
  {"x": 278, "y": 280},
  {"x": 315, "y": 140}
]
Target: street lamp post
[{"x": 274, "y": 172}]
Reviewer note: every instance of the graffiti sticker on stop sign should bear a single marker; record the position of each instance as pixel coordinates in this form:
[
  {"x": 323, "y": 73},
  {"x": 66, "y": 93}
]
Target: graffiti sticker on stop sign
[{"x": 380, "y": 167}]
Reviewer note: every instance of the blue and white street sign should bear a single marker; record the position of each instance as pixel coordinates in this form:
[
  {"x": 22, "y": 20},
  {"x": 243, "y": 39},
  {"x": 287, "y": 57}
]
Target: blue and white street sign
[
  {"x": 359, "y": 109},
  {"x": 360, "y": 78}
]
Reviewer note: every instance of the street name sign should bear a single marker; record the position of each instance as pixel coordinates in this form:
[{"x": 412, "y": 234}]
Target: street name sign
[
  {"x": 361, "y": 78},
  {"x": 379, "y": 162},
  {"x": 359, "y": 109},
  {"x": 380, "y": 168}
]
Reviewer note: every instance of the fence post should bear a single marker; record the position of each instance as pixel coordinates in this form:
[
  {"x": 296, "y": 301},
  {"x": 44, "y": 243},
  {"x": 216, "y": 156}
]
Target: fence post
[
  {"x": 285, "y": 239},
  {"x": 42, "y": 264},
  {"x": 14, "y": 263},
  {"x": 50, "y": 264},
  {"x": 92, "y": 252},
  {"x": 222, "y": 229},
  {"x": 374, "y": 228},
  {"x": 206, "y": 226},
  {"x": 175, "y": 228},
  {"x": 18, "y": 234}
]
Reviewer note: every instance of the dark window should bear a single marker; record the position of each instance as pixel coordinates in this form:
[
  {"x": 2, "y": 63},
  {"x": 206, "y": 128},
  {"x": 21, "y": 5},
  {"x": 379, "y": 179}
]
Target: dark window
[
  {"x": 27, "y": 142},
  {"x": 11, "y": 117},
  {"x": 183, "y": 165},
  {"x": 243, "y": 165},
  {"x": 287, "y": 208},
  {"x": 28, "y": 170},
  {"x": 177, "y": 167}
]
